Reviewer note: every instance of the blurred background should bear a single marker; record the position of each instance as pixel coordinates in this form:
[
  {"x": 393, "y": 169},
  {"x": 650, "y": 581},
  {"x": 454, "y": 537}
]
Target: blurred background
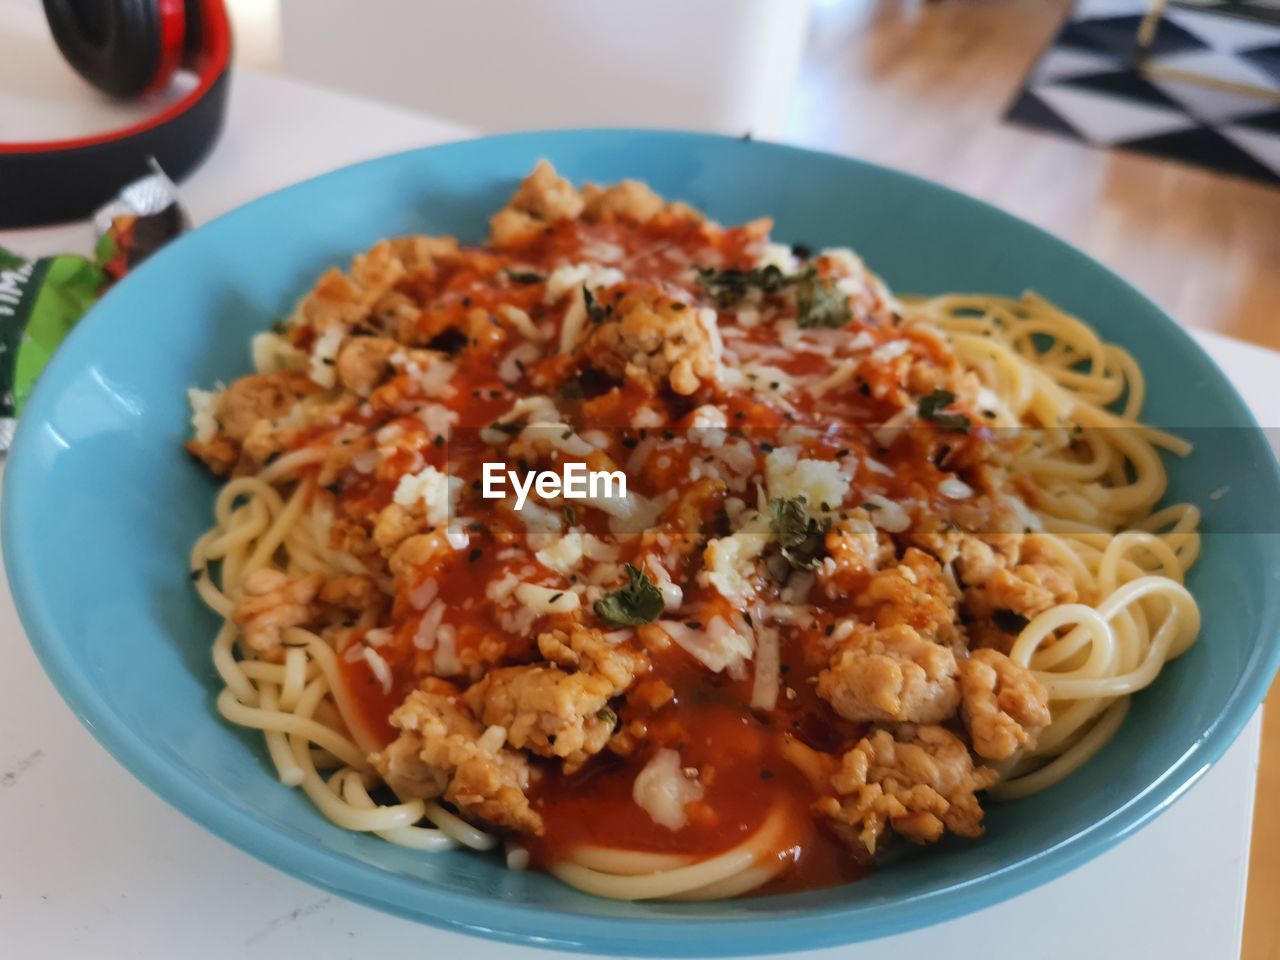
[
  {"x": 922, "y": 86},
  {"x": 1162, "y": 160}
]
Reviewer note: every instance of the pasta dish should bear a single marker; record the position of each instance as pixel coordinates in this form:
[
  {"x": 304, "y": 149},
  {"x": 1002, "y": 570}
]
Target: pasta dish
[{"x": 675, "y": 561}]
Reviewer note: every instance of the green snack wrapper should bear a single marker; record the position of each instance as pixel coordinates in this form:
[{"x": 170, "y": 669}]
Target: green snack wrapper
[{"x": 42, "y": 300}]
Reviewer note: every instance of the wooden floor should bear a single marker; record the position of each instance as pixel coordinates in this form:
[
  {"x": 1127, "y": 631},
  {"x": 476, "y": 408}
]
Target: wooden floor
[{"x": 921, "y": 84}]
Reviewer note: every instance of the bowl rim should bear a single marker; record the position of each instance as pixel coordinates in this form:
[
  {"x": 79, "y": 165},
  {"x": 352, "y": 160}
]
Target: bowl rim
[{"x": 526, "y": 924}]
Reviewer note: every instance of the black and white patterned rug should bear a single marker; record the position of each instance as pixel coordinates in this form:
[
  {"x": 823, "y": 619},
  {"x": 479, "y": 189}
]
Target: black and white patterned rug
[
  {"x": 1088, "y": 87},
  {"x": 1268, "y": 10}
]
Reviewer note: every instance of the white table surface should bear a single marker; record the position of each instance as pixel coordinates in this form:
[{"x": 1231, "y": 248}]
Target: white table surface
[{"x": 93, "y": 865}]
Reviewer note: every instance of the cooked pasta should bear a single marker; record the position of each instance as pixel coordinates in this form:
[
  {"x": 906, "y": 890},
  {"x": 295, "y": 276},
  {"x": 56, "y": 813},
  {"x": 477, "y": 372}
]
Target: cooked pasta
[{"x": 681, "y": 563}]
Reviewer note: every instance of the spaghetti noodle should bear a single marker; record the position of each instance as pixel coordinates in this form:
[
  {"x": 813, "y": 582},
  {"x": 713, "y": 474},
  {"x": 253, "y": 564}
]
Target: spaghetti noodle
[{"x": 876, "y": 560}]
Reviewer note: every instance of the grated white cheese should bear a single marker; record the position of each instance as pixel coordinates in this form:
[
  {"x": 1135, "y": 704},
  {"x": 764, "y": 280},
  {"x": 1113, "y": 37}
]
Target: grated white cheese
[
  {"x": 434, "y": 381},
  {"x": 861, "y": 341},
  {"x": 953, "y": 488},
  {"x": 540, "y": 519},
  {"x": 632, "y": 506},
  {"x": 564, "y": 555},
  {"x": 204, "y": 412},
  {"x": 534, "y": 410},
  {"x": 797, "y": 588},
  {"x": 875, "y": 466},
  {"x": 544, "y": 600},
  {"x": 672, "y": 595},
  {"x": 734, "y": 508},
  {"x": 437, "y": 492},
  {"x": 457, "y": 536},
  {"x": 273, "y": 353},
  {"x": 632, "y": 513},
  {"x": 790, "y": 613},
  {"x": 841, "y": 375},
  {"x": 575, "y": 319},
  {"x": 719, "y": 647},
  {"x": 424, "y": 638},
  {"x": 818, "y": 481},
  {"x": 887, "y": 515},
  {"x": 423, "y": 594},
  {"x": 707, "y": 319},
  {"x": 602, "y": 250},
  {"x": 890, "y": 351},
  {"x": 517, "y": 623},
  {"x": 738, "y": 456},
  {"x": 324, "y": 353},
  {"x": 558, "y": 436},
  {"x": 501, "y": 589},
  {"x": 445, "y": 661},
  {"x": 646, "y": 418},
  {"x": 729, "y": 562},
  {"x": 764, "y": 687},
  {"x": 561, "y": 280},
  {"x": 437, "y": 418},
  {"x": 493, "y": 739},
  {"x": 796, "y": 338},
  {"x": 760, "y": 378},
  {"x": 593, "y": 548},
  {"x": 778, "y": 255},
  {"x": 377, "y": 637},
  {"x": 989, "y": 401},
  {"x": 860, "y": 538},
  {"x": 521, "y": 321},
  {"x": 888, "y": 431},
  {"x": 708, "y": 417},
  {"x": 573, "y": 278},
  {"x": 381, "y": 671},
  {"x": 389, "y": 434},
  {"x": 663, "y": 791},
  {"x": 510, "y": 370}
]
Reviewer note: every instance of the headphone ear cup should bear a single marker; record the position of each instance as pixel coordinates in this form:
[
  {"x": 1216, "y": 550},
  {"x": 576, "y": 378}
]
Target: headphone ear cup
[
  {"x": 193, "y": 39},
  {"x": 114, "y": 44}
]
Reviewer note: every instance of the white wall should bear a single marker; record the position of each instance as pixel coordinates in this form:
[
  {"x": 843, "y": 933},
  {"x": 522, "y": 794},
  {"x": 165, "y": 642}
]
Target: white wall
[{"x": 724, "y": 65}]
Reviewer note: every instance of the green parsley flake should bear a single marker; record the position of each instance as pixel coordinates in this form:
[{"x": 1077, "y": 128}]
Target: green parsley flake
[
  {"x": 800, "y": 537},
  {"x": 636, "y": 603},
  {"x": 932, "y": 407}
]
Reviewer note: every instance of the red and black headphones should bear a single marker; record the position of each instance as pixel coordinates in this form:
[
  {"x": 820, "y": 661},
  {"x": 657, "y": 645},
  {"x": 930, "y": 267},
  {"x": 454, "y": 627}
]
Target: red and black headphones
[{"x": 126, "y": 48}]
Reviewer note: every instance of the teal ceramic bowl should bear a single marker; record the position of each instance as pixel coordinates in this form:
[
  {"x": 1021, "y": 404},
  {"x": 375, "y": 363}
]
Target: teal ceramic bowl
[{"x": 101, "y": 506}]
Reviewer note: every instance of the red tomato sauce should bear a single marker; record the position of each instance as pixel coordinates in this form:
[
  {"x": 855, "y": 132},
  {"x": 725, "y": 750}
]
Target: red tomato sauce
[{"x": 738, "y": 752}]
